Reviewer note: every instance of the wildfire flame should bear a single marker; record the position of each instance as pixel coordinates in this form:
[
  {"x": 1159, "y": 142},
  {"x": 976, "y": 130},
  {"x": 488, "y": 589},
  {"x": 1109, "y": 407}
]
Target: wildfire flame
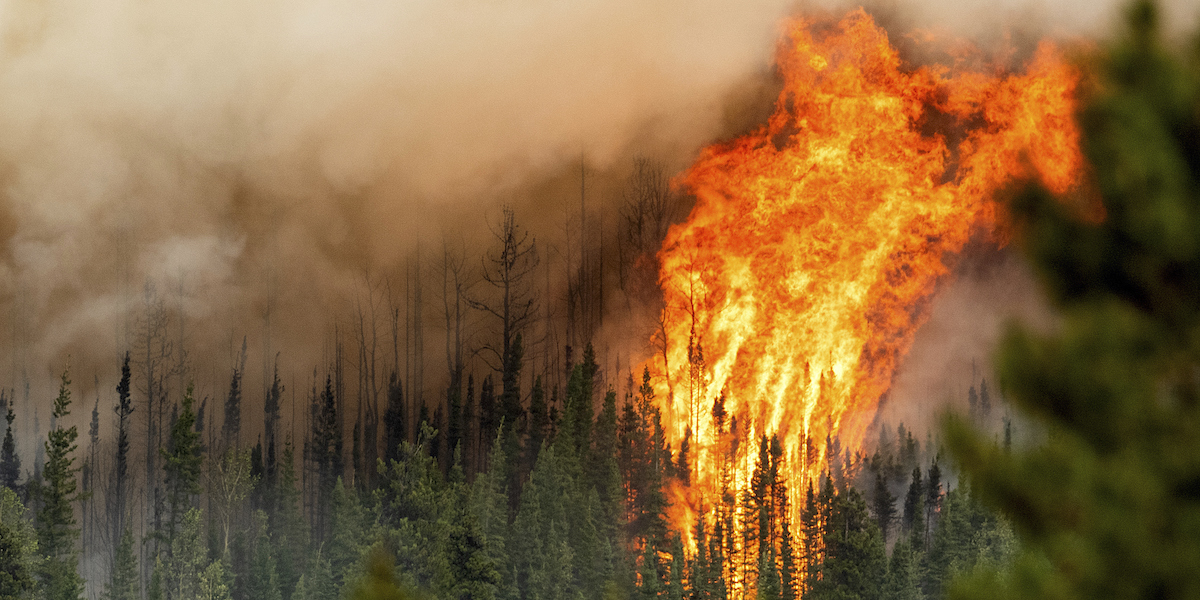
[{"x": 798, "y": 281}]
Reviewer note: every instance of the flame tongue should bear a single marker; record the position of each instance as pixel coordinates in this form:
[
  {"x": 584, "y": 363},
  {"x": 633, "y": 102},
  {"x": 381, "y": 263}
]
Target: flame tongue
[{"x": 798, "y": 281}]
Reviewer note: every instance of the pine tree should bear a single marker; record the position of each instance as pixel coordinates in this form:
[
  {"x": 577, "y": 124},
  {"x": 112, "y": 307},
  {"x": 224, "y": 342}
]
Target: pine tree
[
  {"x": 10, "y": 461},
  {"x": 538, "y": 423},
  {"x": 324, "y": 450},
  {"x": 884, "y": 506},
  {"x": 853, "y": 563},
  {"x": 262, "y": 582},
  {"x": 914, "y": 501},
  {"x": 394, "y": 426},
  {"x": 489, "y": 505},
  {"x": 181, "y": 464},
  {"x": 186, "y": 572},
  {"x": 933, "y": 498},
  {"x": 18, "y": 548},
  {"x": 788, "y": 577},
  {"x": 123, "y": 579},
  {"x": 233, "y": 402},
  {"x": 55, "y": 518},
  {"x": 346, "y": 542},
  {"x": 270, "y": 481},
  {"x": 118, "y": 511},
  {"x": 1106, "y": 502},
  {"x": 289, "y": 531},
  {"x": 317, "y": 583}
]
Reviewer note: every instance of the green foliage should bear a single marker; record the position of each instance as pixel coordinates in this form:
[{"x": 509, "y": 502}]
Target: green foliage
[
  {"x": 181, "y": 464},
  {"x": 214, "y": 582},
  {"x": 18, "y": 548},
  {"x": 55, "y": 518},
  {"x": 10, "y": 461},
  {"x": 1106, "y": 505},
  {"x": 187, "y": 559},
  {"x": 379, "y": 581},
  {"x": 288, "y": 529},
  {"x": 317, "y": 583},
  {"x": 262, "y": 582},
  {"x": 348, "y": 538},
  {"x": 123, "y": 581},
  {"x": 854, "y": 564}
]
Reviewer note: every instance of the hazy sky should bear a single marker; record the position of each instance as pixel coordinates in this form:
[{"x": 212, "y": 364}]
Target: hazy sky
[{"x": 215, "y": 146}]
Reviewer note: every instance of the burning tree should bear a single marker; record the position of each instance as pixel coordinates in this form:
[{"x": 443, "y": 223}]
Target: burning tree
[{"x": 816, "y": 242}]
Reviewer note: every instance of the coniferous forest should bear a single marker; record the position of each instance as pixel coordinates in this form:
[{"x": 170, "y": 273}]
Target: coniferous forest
[{"x": 545, "y": 475}]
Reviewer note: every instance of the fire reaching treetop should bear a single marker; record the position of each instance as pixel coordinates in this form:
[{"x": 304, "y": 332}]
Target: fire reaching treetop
[{"x": 797, "y": 283}]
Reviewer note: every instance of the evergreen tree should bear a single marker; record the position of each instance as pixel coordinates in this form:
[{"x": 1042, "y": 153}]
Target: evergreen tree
[
  {"x": 123, "y": 579},
  {"x": 347, "y": 541},
  {"x": 884, "y": 506},
  {"x": 394, "y": 426},
  {"x": 213, "y": 582},
  {"x": 18, "y": 548},
  {"x": 324, "y": 450},
  {"x": 55, "y": 517},
  {"x": 233, "y": 402},
  {"x": 186, "y": 560},
  {"x": 262, "y": 582},
  {"x": 317, "y": 583},
  {"x": 788, "y": 577},
  {"x": 181, "y": 465},
  {"x": 10, "y": 461},
  {"x": 118, "y": 511},
  {"x": 1106, "y": 503},
  {"x": 289, "y": 531},
  {"x": 538, "y": 423},
  {"x": 489, "y": 505},
  {"x": 933, "y": 498},
  {"x": 768, "y": 585},
  {"x": 853, "y": 564},
  {"x": 271, "y": 407},
  {"x": 489, "y": 418},
  {"x": 903, "y": 582},
  {"x": 914, "y": 501}
]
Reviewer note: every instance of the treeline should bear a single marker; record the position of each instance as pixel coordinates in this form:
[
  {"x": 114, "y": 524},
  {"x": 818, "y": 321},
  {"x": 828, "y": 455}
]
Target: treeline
[{"x": 569, "y": 503}]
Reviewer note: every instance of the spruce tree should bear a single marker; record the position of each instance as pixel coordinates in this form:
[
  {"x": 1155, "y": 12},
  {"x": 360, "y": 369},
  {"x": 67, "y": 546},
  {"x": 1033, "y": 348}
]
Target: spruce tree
[
  {"x": 10, "y": 461},
  {"x": 18, "y": 548},
  {"x": 394, "y": 425},
  {"x": 1106, "y": 502},
  {"x": 884, "y": 506},
  {"x": 118, "y": 512},
  {"x": 123, "y": 581},
  {"x": 914, "y": 501},
  {"x": 853, "y": 563},
  {"x": 55, "y": 517},
  {"x": 232, "y": 426},
  {"x": 262, "y": 582},
  {"x": 289, "y": 531},
  {"x": 181, "y": 464}
]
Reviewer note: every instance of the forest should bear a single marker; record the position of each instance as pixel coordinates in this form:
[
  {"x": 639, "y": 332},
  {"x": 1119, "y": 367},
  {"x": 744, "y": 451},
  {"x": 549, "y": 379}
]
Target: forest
[
  {"x": 547, "y": 474},
  {"x": 563, "y": 502}
]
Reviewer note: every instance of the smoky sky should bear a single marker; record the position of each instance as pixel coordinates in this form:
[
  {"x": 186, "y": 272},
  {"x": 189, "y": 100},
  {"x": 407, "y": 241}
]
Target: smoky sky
[{"x": 267, "y": 157}]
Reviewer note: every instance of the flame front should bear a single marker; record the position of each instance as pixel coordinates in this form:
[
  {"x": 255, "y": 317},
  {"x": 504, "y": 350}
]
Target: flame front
[{"x": 798, "y": 281}]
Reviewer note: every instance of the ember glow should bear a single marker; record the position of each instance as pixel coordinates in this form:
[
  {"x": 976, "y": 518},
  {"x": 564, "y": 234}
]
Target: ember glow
[{"x": 801, "y": 276}]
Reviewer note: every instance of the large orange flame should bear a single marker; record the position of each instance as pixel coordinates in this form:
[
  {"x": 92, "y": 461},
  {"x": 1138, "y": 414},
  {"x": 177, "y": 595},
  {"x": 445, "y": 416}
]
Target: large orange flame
[{"x": 798, "y": 281}]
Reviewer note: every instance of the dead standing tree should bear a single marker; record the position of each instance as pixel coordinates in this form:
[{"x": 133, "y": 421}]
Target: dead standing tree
[
  {"x": 155, "y": 353},
  {"x": 510, "y": 269},
  {"x": 456, "y": 285}
]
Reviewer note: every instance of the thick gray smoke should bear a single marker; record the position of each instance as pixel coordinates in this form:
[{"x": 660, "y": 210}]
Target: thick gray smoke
[
  {"x": 259, "y": 161},
  {"x": 265, "y": 155}
]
